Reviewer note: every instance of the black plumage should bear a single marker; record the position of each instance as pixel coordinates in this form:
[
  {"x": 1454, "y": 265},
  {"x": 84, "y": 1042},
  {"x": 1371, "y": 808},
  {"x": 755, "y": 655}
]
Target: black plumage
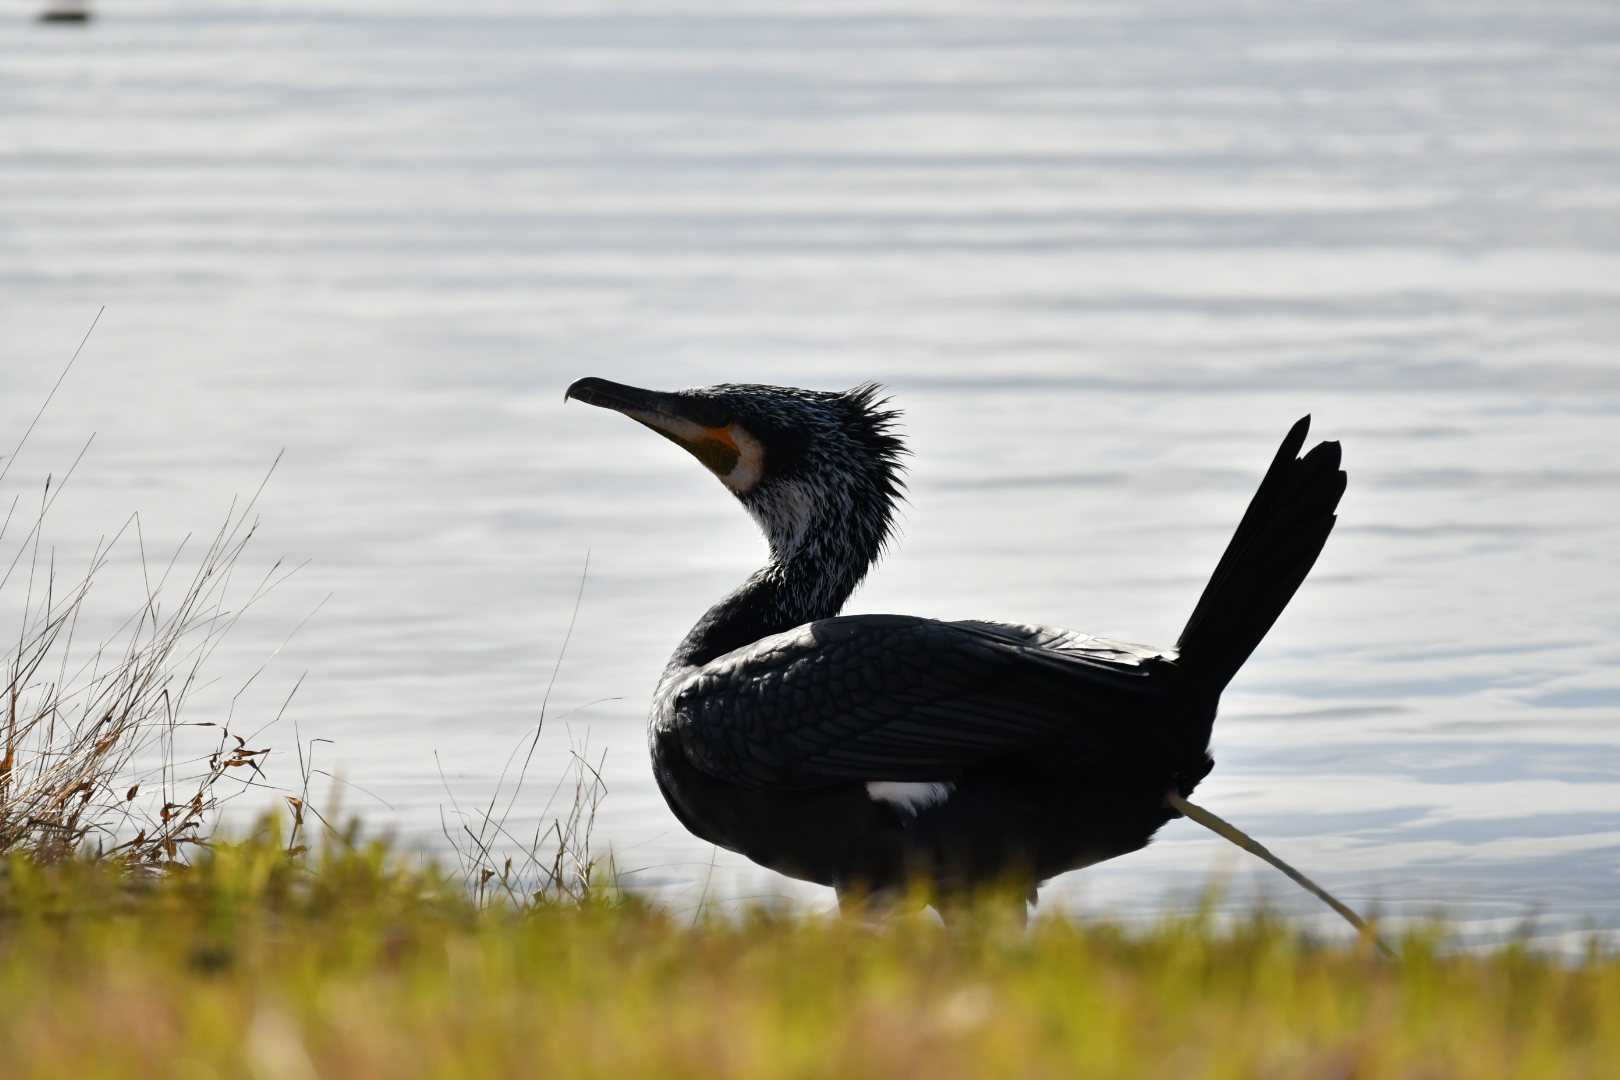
[{"x": 873, "y": 752}]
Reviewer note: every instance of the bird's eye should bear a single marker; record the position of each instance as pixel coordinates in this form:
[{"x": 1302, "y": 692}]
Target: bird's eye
[{"x": 705, "y": 412}]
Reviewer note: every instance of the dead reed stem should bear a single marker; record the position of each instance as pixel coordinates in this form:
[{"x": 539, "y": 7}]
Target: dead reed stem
[
  {"x": 89, "y": 758},
  {"x": 556, "y": 863}
]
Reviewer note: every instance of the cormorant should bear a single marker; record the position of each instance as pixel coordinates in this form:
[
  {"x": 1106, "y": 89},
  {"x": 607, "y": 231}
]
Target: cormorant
[{"x": 872, "y": 753}]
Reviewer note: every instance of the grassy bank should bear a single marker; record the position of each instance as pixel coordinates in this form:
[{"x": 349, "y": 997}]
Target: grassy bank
[{"x": 355, "y": 964}]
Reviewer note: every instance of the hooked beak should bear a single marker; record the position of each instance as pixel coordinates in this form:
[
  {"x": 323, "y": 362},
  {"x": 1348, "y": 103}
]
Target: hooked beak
[{"x": 700, "y": 426}]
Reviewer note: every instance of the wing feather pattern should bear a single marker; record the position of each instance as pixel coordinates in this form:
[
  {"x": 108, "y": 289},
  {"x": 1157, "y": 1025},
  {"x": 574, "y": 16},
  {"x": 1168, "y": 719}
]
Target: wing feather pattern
[{"x": 892, "y": 697}]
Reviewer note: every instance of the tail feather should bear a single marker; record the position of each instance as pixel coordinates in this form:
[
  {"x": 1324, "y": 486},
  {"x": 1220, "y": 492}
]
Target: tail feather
[{"x": 1275, "y": 546}]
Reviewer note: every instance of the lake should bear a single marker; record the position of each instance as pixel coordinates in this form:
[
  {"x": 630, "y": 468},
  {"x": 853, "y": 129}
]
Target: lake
[{"x": 1102, "y": 256}]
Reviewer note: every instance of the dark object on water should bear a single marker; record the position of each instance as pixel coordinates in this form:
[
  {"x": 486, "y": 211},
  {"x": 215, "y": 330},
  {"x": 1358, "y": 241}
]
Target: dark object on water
[
  {"x": 66, "y": 13},
  {"x": 874, "y": 752}
]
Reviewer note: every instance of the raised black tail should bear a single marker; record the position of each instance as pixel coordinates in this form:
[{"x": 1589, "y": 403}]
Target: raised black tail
[{"x": 1275, "y": 545}]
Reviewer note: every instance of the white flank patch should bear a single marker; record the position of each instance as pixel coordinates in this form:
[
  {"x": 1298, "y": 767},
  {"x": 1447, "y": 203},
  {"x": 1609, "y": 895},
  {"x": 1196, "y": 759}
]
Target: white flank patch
[{"x": 912, "y": 797}]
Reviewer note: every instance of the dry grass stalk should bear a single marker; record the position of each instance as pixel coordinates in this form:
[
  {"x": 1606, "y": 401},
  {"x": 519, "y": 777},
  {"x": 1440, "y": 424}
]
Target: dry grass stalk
[
  {"x": 89, "y": 758},
  {"x": 556, "y": 864}
]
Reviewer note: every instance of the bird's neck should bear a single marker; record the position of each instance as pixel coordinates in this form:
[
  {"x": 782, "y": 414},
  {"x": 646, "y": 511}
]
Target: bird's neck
[{"x": 811, "y": 581}]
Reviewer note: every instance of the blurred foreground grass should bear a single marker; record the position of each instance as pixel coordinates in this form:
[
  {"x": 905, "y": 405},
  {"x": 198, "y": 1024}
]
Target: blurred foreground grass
[{"x": 356, "y": 963}]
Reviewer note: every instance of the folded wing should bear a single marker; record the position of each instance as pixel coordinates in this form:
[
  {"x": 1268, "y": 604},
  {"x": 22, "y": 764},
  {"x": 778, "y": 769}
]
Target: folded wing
[{"x": 891, "y": 697}]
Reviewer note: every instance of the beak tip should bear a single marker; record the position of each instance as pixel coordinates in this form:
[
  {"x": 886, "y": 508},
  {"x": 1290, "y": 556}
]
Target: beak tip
[{"x": 574, "y": 388}]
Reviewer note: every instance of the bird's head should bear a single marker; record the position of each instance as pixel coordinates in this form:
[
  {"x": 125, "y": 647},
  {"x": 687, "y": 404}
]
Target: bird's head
[{"x": 803, "y": 462}]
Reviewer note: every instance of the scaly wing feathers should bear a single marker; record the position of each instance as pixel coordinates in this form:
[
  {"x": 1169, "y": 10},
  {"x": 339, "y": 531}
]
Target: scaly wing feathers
[{"x": 890, "y": 697}]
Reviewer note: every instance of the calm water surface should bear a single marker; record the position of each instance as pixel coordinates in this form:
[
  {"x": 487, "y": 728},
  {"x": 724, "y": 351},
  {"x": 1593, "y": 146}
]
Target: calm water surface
[{"x": 1103, "y": 255}]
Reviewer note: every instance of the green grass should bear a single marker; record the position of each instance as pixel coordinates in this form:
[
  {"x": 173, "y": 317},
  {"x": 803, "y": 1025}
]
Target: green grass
[{"x": 355, "y": 963}]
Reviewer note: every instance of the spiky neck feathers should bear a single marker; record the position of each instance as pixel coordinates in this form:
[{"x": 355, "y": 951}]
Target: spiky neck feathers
[{"x": 825, "y": 501}]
